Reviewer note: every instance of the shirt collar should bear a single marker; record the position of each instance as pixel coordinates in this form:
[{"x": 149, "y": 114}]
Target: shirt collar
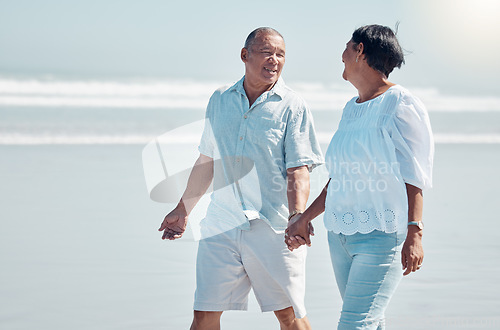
[{"x": 279, "y": 88}]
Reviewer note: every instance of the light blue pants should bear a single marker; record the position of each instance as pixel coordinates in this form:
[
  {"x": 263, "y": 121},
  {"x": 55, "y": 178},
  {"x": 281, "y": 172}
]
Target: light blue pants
[{"x": 367, "y": 269}]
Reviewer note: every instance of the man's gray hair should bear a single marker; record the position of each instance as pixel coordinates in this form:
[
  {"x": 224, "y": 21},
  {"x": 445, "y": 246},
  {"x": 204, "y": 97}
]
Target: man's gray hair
[{"x": 253, "y": 35}]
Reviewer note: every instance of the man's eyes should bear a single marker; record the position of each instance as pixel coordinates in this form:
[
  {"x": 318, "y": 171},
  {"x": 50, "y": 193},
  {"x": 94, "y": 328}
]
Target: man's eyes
[{"x": 271, "y": 54}]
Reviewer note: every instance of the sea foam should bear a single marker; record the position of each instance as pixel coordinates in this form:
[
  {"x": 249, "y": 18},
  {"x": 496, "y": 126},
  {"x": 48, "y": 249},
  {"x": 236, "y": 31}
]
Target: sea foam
[
  {"x": 179, "y": 94},
  {"x": 193, "y": 139}
]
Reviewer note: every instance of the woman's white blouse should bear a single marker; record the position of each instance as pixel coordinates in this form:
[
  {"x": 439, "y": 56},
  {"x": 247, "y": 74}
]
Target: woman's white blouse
[{"x": 380, "y": 145}]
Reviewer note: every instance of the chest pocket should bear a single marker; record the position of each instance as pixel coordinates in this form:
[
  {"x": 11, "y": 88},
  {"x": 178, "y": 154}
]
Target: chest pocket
[{"x": 264, "y": 131}]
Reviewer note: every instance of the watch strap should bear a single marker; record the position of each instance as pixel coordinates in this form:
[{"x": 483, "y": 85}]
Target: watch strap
[
  {"x": 419, "y": 224},
  {"x": 291, "y": 215}
]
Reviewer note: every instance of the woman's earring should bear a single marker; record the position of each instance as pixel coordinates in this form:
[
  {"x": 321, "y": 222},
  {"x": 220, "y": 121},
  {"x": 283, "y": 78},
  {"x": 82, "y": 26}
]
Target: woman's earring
[{"x": 357, "y": 59}]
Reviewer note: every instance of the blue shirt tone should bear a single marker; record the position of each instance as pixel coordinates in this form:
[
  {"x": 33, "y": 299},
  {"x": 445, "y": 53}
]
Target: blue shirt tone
[{"x": 252, "y": 147}]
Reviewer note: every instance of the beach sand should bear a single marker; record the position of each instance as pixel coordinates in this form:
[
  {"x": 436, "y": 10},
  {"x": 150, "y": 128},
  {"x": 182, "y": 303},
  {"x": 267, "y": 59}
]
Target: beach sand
[{"x": 80, "y": 248}]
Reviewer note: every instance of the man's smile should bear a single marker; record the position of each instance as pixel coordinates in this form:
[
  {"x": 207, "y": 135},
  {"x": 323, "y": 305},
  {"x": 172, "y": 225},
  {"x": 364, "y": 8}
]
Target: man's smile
[{"x": 270, "y": 70}]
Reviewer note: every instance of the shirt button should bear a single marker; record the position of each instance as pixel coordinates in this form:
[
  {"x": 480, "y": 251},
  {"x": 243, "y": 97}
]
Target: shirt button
[
  {"x": 238, "y": 160},
  {"x": 241, "y": 138},
  {"x": 245, "y": 116}
]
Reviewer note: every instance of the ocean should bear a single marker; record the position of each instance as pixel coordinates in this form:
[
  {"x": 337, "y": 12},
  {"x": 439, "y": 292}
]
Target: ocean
[{"x": 79, "y": 245}]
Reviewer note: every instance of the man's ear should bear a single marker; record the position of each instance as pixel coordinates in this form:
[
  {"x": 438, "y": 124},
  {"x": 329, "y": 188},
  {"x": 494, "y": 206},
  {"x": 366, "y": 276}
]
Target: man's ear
[{"x": 244, "y": 54}]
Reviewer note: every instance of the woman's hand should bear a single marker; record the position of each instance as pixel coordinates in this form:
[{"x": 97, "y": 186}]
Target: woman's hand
[
  {"x": 298, "y": 232},
  {"x": 412, "y": 254}
]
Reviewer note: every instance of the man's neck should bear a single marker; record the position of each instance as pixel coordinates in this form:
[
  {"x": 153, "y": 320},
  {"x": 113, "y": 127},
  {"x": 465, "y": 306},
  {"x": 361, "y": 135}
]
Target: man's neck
[{"x": 253, "y": 91}]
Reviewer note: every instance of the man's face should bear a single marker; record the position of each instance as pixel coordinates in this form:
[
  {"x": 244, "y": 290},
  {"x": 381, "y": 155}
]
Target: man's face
[{"x": 264, "y": 60}]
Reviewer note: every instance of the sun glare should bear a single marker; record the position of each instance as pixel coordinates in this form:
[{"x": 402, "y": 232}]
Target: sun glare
[
  {"x": 458, "y": 28},
  {"x": 472, "y": 18}
]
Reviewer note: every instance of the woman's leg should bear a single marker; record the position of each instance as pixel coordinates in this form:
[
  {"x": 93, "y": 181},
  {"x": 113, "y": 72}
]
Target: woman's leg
[
  {"x": 374, "y": 275},
  {"x": 341, "y": 260}
]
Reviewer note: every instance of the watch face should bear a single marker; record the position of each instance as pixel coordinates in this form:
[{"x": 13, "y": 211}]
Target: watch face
[{"x": 419, "y": 224}]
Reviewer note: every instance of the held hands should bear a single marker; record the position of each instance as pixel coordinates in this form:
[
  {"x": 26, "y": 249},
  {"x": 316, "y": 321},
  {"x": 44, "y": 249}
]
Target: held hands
[
  {"x": 412, "y": 254},
  {"x": 174, "y": 224},
  {"x": 298, "y": 232}
]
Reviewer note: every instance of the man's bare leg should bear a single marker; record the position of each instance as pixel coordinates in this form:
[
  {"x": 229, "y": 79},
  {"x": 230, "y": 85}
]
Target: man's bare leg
[
  {"x": 206, "y": 320},
  {"x": 288, "y": 321}
]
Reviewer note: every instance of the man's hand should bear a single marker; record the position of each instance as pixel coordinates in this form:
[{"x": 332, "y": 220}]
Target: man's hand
[
  {"x": 199, "y": 180},
  {"x": 174, "y": 224},
  {"x": 298, "y": 232},
  {"x": 412, "y": 254}
]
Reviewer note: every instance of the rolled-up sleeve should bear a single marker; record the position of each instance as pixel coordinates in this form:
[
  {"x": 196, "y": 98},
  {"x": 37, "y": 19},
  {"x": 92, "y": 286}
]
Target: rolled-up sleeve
[
  {"x": 413, "y": 139},
  {"x": 301, "y": 145}
]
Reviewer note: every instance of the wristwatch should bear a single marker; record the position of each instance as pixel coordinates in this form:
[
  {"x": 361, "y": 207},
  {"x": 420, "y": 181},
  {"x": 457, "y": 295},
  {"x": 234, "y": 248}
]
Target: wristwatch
[
  {"x": 419, "y": 224},
  {"x": 291, "y": 215}
]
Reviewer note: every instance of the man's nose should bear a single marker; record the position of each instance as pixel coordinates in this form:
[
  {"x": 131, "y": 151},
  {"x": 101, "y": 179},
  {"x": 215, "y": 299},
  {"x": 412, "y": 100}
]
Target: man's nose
[{"x": 273, "y": 58}]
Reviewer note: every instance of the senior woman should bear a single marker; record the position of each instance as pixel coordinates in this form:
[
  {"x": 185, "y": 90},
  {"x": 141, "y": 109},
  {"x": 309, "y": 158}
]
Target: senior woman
[{"x": 379, "y": 160}]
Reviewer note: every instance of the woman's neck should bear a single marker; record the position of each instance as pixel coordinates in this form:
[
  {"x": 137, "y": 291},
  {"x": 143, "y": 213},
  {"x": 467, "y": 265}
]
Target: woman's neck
[{"x": 371, "y": 86}]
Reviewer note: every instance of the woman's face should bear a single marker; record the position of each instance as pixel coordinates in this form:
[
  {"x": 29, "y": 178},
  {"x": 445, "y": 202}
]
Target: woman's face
[{"x": 349, "y": 59}]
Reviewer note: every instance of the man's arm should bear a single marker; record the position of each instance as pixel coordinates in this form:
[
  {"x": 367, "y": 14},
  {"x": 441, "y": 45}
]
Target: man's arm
[
  {"x": 298, "y": 187},
  {"x": 412, "y": 254},
  {"x": 298, "y": 192},
  {"x": 174, "y": 224},
  {"x": 299, "y": 226}
]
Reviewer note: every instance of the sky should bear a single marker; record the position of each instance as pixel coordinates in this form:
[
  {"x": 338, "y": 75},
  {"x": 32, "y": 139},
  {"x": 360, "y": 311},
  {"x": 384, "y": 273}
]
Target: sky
[{"x": 451, "y": 45}]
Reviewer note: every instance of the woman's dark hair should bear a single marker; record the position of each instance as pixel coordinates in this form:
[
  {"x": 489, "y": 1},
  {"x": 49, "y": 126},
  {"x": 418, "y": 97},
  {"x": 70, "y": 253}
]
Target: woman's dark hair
[{"x": 381, "y": 47}]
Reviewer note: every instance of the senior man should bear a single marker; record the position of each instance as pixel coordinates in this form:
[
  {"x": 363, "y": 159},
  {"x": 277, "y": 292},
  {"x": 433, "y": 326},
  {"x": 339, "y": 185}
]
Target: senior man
[{"x": 263, "y": 135}]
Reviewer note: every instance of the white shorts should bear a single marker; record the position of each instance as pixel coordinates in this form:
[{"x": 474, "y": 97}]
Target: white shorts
[{"x": 231, "y": 263}]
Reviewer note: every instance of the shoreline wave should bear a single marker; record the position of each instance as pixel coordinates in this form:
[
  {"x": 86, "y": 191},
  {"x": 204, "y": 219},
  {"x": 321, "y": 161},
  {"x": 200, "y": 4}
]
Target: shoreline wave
[
  {"x": 324, "y": 138},
  {"x": 191, "y": 94}
]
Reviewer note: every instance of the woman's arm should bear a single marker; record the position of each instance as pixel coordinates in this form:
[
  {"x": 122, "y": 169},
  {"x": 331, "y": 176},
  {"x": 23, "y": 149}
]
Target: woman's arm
[{"x": 412, "y": 254}]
